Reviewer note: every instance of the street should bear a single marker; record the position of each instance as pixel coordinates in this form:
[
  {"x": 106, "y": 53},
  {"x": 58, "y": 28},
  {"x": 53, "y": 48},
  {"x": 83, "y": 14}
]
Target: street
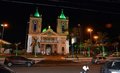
[{"x": 55, "y": 69}]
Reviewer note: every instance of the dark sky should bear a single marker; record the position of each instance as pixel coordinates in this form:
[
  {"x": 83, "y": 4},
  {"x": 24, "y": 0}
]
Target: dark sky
[{"x": 96, "y": 13}]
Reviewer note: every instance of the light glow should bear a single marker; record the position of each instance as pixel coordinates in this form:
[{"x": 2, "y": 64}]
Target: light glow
[
  {"x": 4, "y": 25},
  {"x": 95, "y": 37},
  {"x": 89, "y": 30}
]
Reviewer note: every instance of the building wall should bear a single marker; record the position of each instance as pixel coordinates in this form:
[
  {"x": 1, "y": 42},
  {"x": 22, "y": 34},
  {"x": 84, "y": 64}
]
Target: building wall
[
  {"x": 55, "y": 46},
  {"x": 60, "y": 23},
  {"x": 32, "y": 22}
]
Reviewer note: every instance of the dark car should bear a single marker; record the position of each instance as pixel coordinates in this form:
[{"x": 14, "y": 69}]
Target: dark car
[
  {"x": 5, "y": 69},
  {"x": 112, "y": 66},
  {"x": 18, "y": 60}
]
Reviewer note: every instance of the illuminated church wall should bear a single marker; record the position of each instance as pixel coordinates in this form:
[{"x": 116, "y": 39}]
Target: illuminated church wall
[{"x": 47, "y": 42}]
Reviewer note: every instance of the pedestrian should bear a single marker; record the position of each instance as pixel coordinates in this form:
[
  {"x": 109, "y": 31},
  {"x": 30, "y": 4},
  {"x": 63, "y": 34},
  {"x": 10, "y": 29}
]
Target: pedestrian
[{"x": 85, "y": 69}]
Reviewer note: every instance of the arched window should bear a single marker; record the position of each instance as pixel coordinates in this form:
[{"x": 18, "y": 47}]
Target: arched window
[
  {"x": 63, "y": 28},
  {"x": 35, "y": 25}
]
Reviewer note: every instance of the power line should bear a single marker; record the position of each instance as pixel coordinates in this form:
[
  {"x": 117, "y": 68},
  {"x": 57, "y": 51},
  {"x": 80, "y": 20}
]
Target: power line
[{"x": 62, "y": 6}]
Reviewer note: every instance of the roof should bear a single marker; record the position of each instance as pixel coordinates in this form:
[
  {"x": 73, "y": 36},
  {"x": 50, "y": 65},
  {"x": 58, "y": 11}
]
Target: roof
[
  {"x": 4, "y": 42},
  {"x": 62, "y": 16},
  {"x": 49, "y": 32},
  {"x": 37, "y": 13}
]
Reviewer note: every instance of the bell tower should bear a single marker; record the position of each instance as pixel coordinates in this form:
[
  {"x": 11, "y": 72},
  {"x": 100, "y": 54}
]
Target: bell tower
[
  {"x": 62, "y": 24},
  {"x": 35, "y": 23}
]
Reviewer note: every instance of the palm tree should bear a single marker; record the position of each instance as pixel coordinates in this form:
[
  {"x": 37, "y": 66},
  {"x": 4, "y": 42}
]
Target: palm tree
[
  {"x": 80, "y": 47},
  {"x": 102, "y": 37},
  {"x": 87, "y": 45},
  {"x": 77, "y": 34},
  {"x": 115, "y": 44}
]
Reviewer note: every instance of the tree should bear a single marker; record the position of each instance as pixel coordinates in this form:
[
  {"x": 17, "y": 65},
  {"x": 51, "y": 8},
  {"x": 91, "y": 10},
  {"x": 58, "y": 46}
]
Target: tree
[
  {"x": 115, "y": 44},
  {"x": 76, "y": 32},
  {"x": 87, "y": 45},
  {"x": 102, "y": 37}
]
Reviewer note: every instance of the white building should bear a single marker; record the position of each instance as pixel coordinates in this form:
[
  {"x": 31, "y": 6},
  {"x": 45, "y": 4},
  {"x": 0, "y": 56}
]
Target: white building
[{"x": 48, "y": 41}]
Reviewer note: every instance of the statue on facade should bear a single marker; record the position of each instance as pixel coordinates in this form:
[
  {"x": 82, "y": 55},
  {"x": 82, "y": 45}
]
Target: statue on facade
[{"x": 35, "y": 46}]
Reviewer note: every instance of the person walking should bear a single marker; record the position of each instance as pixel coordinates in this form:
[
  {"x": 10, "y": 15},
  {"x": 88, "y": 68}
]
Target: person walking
[{"x": 85, "y": 69}]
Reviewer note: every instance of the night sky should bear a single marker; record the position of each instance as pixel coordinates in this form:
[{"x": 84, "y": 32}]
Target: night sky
[{"x": 93, "y": 13}]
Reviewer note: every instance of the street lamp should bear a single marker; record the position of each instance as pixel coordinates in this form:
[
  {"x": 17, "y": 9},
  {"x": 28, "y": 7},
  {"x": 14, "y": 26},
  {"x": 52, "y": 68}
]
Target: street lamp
[
  {"x": 95, "y": 37},
  {"x": 90, "y": 31},
  {"x": 3, "y": 25}
]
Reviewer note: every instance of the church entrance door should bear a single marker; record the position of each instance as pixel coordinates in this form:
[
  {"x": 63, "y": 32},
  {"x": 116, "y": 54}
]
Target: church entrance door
[{"x": 48, "y": 49}]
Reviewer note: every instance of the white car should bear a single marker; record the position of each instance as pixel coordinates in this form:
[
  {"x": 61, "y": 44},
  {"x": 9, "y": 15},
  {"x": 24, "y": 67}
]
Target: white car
[
  {"x": 99, "y": 60},
  {"x": 112, "y": 66}
]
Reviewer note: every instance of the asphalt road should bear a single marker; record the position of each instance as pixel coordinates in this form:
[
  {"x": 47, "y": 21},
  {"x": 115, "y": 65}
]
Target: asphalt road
[{"x": 55, "y": 69}]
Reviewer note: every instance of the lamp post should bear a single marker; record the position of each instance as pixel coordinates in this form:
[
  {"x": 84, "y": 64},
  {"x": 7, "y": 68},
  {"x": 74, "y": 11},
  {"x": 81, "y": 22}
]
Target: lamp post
[
  {"x": 3, "y": 25},
  {"x": 90, "y": 31}
]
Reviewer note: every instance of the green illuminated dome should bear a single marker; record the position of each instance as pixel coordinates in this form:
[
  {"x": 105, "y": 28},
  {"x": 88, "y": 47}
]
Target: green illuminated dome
[
  {"x": 37, "y": 13},
  {"x": 44, "y": 30},
  {"x": 62, "y": 16}
]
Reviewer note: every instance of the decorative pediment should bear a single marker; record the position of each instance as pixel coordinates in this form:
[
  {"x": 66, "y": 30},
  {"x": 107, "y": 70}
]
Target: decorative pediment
[{"x": 49, "y": 32}]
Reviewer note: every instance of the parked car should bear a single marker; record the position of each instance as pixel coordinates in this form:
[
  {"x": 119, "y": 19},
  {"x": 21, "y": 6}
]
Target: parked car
[
  {"x": 115, "y": 54},
  {"x": 5, "y": 69},
  {"x": 18, "y": 60},
  {"x": 112, "y": 66},
  {"x": 99, "y": 60}
]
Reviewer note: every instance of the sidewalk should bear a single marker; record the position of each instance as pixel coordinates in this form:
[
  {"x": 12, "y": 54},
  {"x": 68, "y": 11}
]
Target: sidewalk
[
  {"x": 80, "y": 59},
  {"x": 58, "y": 60}
]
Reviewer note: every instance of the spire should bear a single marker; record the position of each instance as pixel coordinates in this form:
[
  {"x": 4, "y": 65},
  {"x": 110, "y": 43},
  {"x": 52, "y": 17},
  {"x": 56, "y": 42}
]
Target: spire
[
  {"x": 37, "y": 13},
  {"x": 62, "y": 16}
]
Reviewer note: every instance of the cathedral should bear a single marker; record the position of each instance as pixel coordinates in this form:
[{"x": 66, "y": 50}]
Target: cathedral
[{"x": 47, "y": 41}]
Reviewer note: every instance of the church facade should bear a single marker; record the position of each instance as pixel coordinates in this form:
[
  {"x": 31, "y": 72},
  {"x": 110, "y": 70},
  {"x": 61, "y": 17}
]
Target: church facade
[{"x": 47, "y": 41}]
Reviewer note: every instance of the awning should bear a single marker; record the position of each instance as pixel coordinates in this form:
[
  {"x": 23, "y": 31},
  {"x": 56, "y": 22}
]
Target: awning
[{"x": 4, "y": 42}]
